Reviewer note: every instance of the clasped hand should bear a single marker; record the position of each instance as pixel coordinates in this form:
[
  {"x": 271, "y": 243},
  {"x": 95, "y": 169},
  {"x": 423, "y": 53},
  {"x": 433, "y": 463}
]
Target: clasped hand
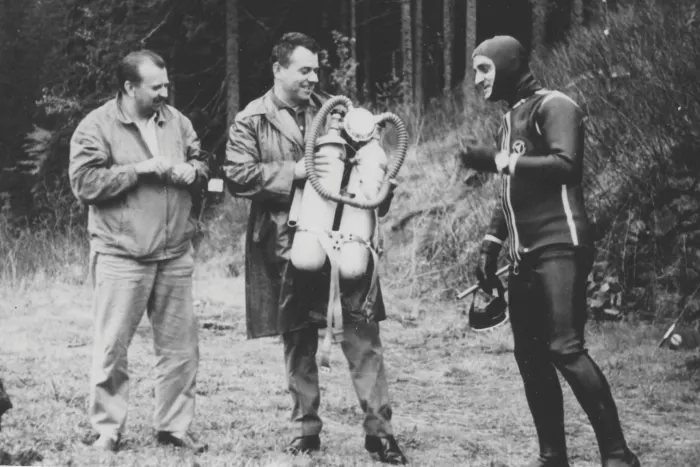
[{"x": 182, "y": 173}]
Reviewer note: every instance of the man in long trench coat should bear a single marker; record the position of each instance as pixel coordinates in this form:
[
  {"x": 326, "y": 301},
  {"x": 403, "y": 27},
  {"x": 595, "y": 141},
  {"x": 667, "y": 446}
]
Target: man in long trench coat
[{"x": 265, "y": 163}]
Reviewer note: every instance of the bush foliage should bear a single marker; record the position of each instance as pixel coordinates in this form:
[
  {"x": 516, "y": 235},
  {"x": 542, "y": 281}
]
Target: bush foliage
[
  {"x": 632, "y": 71},
  {"x": 634, "y": 74}
]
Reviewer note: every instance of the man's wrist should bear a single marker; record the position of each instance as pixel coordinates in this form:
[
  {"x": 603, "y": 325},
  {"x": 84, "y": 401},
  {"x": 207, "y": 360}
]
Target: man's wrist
[
  {"x": 491, "y": 245},
  {"x": 511, "y": 163}
]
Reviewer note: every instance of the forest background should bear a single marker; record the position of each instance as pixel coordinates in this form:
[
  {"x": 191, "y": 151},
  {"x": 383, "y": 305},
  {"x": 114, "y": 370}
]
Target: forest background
[{"x": 632, "y": 65}]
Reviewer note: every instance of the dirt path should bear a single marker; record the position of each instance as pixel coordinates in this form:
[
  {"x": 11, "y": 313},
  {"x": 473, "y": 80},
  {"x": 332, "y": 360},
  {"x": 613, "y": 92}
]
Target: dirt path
[{"x": 457, "y": 395}]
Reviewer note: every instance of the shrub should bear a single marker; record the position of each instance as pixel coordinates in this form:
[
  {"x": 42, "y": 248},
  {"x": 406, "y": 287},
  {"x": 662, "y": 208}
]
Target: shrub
[{"x": 635, "y": 76}]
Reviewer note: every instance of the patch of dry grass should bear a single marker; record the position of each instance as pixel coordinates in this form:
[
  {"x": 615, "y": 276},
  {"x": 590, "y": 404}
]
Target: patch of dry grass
[{"x": 456, "y": 394}]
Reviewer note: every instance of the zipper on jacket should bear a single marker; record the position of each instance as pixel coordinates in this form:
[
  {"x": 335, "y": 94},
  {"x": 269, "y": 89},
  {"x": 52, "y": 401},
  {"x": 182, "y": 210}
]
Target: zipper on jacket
[
  {"x": 167, "y": 199},
  {"x": 507, "y": 203},
  {"x": 165, "y": 187}
]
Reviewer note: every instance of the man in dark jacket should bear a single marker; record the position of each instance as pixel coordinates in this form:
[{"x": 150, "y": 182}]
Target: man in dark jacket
[
  {"x": 264, "y": 164},
  {"x": 542, "y": 215}
]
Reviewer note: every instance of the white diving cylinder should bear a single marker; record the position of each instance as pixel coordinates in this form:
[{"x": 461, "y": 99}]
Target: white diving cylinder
[
  {"x": 316, "y": 214},
  {"x": 365, "y": 182}
]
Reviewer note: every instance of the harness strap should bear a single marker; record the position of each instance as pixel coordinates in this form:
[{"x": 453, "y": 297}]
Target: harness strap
[
  {"x": 93, "y": 268},
  {"x": 332, "y": 242}
]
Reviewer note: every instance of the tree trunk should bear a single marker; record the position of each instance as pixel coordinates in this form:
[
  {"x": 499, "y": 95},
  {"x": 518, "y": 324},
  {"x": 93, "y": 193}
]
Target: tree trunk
[
  {"x": 577, "y": 13},
  {"x": 4, "y": 26},
  {"x": 367, "y": 84},
  {"x": 353, "y": 44},
  {"x": 325, "y": 19},
  {"x": 407, "y": 46},
  {"x": 539, "y": 23},
  {"x": 447, "y": 9},
  {"x": 470, "y": 43},
  {"x": 232, "y": 86},
  {"x": 353, "y": 29},
  {"x": 325, "y": 78},
  {"x": 2, "y": 22},
  {"x": 344, "y": 13},
  {"x": 418, "y": 51}
]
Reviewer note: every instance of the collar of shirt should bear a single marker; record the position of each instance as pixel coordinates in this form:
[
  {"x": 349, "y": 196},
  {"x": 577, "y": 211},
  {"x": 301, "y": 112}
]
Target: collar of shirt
[
  {"x": 150, "y": 135},
  {"x": 158, "y": 117},
  {"x": 297, "y": 113}
]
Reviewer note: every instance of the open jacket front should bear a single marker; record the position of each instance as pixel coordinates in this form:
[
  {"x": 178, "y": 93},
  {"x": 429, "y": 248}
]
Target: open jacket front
[{"x": 141, "y": 217}]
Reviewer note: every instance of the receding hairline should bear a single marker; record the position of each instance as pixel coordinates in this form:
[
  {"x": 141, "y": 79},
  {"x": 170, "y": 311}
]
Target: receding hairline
[
  {"x": 130, "y": 67},
  {"x": 148, "y": 62}
]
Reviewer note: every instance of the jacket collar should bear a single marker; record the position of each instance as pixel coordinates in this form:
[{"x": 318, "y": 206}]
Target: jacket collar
[
  {"x": 525, "y": 88},
  {"x": 161, "y": 117},
  {"x": 286, "y": 126}
]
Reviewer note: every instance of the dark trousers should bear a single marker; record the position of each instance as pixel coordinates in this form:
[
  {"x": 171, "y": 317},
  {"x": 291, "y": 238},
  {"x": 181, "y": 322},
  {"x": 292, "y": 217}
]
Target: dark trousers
[
  {"x": 547, "y": 300},
  {"x": 363, "y": 351}
]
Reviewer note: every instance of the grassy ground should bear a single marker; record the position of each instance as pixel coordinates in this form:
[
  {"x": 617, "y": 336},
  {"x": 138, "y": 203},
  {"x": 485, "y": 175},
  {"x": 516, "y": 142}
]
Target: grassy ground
[{"x": 457, "y": 395}]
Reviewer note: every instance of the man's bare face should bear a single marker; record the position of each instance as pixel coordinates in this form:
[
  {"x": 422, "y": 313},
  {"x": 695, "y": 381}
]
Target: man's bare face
[
  {"x": 152, "y": 92},
  {"x": 299, "y": 78},
  {"x": 484, "y": 75}
]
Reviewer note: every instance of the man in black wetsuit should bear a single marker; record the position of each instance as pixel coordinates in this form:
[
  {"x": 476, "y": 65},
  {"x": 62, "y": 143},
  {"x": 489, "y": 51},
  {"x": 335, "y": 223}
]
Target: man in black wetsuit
[{"x": 542, "y": 215}]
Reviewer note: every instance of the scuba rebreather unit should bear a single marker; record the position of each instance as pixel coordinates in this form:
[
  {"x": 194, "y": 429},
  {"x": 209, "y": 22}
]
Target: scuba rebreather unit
[{"x": 314, "y": 207}]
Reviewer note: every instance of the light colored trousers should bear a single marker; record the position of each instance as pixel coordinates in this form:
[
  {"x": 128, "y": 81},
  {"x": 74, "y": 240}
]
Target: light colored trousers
[
  {"x": 123, "y": 289},
  {"x": 363, "y": 351}
]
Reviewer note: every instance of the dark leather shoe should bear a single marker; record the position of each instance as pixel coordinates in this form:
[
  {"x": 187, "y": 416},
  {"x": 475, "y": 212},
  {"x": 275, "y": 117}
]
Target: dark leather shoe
[
  {"x": 549, "y": 462},
  {"x": 303, "y": 445},
  {"x": 385, "y": 449},
  {"x": 166, "y": 438},
  {"x": 629, "y": 460}
]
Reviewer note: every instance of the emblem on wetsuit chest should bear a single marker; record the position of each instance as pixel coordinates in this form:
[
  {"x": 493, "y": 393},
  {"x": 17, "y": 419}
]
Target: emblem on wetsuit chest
[{"x": 518, "y": 147}]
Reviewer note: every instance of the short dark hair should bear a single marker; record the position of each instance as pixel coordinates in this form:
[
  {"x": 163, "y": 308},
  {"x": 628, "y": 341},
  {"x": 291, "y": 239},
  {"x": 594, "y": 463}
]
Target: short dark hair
[
  {"x": 290, "y": 41},
  {"x": 128, "y": 68}
]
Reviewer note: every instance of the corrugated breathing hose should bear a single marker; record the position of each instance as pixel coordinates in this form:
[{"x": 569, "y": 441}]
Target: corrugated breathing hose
[{"x": 392, "y": 171}]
